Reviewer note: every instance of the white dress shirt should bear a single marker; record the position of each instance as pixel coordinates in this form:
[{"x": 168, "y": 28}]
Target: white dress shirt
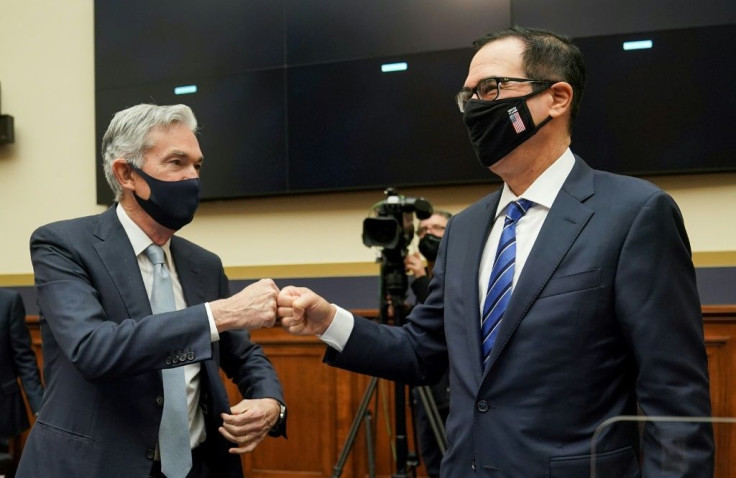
[
  {"x": 140, "y": 241},
  {"x": 542, "y": 192}
]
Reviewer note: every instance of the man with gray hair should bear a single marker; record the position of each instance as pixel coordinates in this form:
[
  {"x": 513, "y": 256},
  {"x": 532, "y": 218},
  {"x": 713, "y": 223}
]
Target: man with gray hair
[{"x": 136, "y": 322}]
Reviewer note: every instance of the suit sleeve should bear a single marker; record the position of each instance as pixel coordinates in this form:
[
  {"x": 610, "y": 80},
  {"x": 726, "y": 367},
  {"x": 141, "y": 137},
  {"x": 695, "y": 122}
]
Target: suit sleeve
[
  {"x": 420, "y": 287},
  {"x": 660, "y": 316},
  {"x": 415, "y": 353},
  {"x": 71, "y": 289},
  {"x": 23, "y": 357}
]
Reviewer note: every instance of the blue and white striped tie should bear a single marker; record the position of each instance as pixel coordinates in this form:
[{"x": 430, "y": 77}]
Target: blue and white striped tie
[{"x": 498, "y": 292}]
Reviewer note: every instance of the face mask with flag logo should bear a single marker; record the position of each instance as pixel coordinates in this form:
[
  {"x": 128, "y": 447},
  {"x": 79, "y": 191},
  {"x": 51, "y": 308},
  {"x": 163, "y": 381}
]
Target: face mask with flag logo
[{"x": 497, "y": 127}]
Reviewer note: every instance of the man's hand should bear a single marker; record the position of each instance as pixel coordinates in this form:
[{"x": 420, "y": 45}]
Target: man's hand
[
  {"x": 415, "y": 265},
  {"x": 254, "y": 307},
  {"x": 249, "y": 423},
  {"x": 303, "y": 312}
]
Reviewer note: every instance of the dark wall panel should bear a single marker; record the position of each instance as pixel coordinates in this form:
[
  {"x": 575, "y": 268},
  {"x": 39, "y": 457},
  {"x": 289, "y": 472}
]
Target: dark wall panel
[
  {"x": 583, "y": 18},
  {"x": 291, "y": 100},
  {"x": 351, "y": 126},
  {"x": 143, "y": 41},
  {"x": 339, "y": 30},
  {"x": 661, "y": 110}
]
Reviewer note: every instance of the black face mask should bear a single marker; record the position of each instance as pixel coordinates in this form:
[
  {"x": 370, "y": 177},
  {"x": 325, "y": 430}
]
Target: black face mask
[
  {"x": 171, "y": 203},
  {"x": 429, "y": 246},
  {"x": 497, "y": 127}
]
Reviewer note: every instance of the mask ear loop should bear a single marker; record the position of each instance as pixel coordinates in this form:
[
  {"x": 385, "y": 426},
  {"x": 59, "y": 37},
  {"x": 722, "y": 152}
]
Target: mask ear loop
[
  {"x": 549, "y": 118},
  {"x": 532, "y": 95},
  {"x": 543, "y": 122}
]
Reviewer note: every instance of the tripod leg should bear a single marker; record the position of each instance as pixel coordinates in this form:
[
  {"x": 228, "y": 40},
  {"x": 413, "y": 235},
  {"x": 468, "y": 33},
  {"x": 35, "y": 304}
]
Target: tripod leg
[
  {"x": 435, "y": 420},
  {"x": 369, "y": 445},
  {"x": 360, "y": 414},
  {"x": 402, "y": 449}
]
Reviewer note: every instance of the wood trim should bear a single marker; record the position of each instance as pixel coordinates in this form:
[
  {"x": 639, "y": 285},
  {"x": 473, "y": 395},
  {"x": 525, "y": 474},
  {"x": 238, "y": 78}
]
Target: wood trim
[
  {"x": 714, "y": 259},
  {"x": 719, "y": 313}
]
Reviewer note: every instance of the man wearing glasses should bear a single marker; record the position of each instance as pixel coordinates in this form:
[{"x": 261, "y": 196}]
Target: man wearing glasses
[{"x": 558, "y": 302}]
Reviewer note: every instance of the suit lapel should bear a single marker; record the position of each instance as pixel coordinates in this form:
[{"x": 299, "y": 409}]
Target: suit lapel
[
  {"x": 188, "y": 272},
  {"x": 119, "y": 259},
  {"x": 566, "y": 219}
]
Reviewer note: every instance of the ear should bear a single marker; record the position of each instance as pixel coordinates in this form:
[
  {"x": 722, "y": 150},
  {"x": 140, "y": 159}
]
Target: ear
[
  {"x": 123, "y": 173},
  {"x": 561, "y": 99}
]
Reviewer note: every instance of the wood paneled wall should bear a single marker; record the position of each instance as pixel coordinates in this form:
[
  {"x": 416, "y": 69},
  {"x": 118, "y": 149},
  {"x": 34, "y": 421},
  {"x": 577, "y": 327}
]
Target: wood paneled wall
[
  {"x": 720, "y": 342},
  {"x": 323, "y": 402}
]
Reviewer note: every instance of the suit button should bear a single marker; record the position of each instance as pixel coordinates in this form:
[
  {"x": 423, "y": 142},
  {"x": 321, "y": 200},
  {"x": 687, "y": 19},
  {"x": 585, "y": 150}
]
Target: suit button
[
  {"x": 159, "y": 400},
  {"x": 482, "y": 406},
  {"x": 183, "y": 357},
  {"x": 190, "y": 355},
  {"x": 150, "y": 454},
  {"x": 168, "y": 360},
  {"x": 175, "y": 359}
]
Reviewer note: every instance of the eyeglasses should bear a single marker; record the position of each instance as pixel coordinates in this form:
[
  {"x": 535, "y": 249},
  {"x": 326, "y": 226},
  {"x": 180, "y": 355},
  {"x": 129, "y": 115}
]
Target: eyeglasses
[
  {"x": 489, "y": 89},
  {"x": 432, "y": 227}
]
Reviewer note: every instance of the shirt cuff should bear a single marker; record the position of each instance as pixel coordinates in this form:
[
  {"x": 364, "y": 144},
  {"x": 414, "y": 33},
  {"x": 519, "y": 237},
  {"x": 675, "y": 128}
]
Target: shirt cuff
[
  {"x": 338, "y": 333},
  {"x": 214, "y": 334}
]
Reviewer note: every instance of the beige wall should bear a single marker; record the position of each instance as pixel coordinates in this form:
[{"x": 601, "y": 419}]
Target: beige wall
[{"x": 47, "y": 77}]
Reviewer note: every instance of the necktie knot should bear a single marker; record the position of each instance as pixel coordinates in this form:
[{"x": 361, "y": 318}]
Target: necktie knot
[
  {"x": 155, "y": 254},
  {"x": 516, "y": 209}
]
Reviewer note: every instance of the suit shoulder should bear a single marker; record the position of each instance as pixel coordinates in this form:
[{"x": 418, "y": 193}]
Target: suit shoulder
[
  {"x": 67, "y": 225},
  {"x": 185, "y": 246},
  {"x": 8, "y": 297},
  {"x": 628, "y": 182},
  {"x": 628, "y": 189},
  {"x": 9, "y": 294},
  {"x": 480, "y": 207}
]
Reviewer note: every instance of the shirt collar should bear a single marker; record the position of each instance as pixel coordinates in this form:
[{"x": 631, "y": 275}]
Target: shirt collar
[
  {"x": 138, "y": 239},
  {"x": 544, "y": 189}
]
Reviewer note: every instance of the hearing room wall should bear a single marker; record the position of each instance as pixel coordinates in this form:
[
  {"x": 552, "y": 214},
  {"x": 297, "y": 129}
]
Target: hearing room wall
[{"x": 47, "y": 80}]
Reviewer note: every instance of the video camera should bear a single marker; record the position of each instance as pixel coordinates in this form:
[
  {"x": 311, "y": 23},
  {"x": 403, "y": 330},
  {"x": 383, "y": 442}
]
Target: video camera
[
  {"x": 393, "y": 226},
  {"x": 393, "y": 229}
]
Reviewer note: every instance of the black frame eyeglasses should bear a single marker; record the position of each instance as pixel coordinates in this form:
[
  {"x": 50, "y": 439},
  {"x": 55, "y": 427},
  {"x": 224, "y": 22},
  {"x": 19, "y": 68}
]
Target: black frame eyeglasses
[{"x": 488, "y": 89}]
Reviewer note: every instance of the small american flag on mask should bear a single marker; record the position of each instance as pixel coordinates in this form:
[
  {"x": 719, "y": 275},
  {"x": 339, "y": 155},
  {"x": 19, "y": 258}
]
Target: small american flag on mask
[{"x": 516, "y": 120}]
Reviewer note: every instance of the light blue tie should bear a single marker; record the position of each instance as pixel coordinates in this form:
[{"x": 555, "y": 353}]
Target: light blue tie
[
  {"x": 502, "y": 276},
  {"x": 173, "y": 434}
]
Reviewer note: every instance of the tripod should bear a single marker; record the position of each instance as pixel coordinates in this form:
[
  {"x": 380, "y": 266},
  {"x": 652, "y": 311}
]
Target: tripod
[
  {"x": 436, "y": 422},
  {"x": 393, "y": 285}
]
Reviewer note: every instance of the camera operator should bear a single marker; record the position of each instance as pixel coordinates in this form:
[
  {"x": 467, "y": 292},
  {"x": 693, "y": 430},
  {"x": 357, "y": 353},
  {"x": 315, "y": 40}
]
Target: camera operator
[{"x": 430, "y": 233}]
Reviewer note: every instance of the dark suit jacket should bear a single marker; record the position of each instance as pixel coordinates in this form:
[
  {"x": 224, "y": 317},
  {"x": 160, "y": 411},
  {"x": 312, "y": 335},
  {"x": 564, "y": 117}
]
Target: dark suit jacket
[
  {"x": 604, "y": 315},
  {"x": 104, "y": 351},
  {"x": 17, "y": 360}
]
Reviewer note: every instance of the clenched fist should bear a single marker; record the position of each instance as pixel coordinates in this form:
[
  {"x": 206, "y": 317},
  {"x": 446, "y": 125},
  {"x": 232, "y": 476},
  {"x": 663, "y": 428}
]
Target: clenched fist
[
  {"x": 303, "y": 312},
  {"x": 254, "y": 307}
]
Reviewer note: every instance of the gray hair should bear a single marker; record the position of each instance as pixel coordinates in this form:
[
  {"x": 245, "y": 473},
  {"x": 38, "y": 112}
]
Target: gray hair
[
  {"x": 440, "y": 212},
  {"x": 128, "y": 135}
]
